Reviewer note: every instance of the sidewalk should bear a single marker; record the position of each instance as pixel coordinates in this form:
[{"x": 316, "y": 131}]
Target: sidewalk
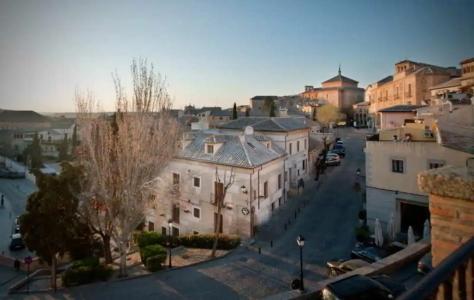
[{"x": 286, "y": 215}]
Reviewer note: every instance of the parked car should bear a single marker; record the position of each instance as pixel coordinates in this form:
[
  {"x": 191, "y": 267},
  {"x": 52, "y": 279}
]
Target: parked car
[
  {"x": 339, "y": 142},
  {"x": 16, "y": 225},
  {"x": 424, "y": 265},
  {"x": 370, "y": 253},
  {"x": 359, "y": 287},
  {"x": 16, "y": 242},
  {"x": 339, "y": 149},
  {"x": 341, "y": 266},
  {"x": 332, "y": 159}
]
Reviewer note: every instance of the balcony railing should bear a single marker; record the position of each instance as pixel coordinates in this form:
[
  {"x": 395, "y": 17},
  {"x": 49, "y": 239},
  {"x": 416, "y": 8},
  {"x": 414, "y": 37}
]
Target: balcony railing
[{"x": 453, "y": 278}]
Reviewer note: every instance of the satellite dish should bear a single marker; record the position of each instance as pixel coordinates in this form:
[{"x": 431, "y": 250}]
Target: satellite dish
[{"x": 248, "y": 130}]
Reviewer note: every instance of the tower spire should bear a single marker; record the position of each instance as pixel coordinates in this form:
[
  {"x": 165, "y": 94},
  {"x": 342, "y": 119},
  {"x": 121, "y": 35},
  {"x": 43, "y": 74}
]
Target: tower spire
[{"x": 339, "y": 72}]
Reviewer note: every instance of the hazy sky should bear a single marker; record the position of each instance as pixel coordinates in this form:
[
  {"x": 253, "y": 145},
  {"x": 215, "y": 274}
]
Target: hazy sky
[{"x": 217, "y": 52}]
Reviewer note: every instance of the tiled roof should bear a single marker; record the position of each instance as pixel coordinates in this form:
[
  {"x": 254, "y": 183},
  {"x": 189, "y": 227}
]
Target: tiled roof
[
  {"x": 467, "y": 60},
  {"x": 385, "y": 80},
  {"x": 450, "y": 83},
  {"x": 401, "y": 108},
  {"x": 21, "y": 116},
  {"x": 341, "y": 78},
  {"x": 264, "y": 97},
  {"x": 457, "y": 137},
  {"x": 237, "y": 150},
  {"x": 280, "y": 124}
]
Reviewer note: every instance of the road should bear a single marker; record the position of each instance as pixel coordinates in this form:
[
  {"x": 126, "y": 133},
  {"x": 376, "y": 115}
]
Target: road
[
  {"x": 327, "y": 223},
  {"x": 16, "y": 193}
]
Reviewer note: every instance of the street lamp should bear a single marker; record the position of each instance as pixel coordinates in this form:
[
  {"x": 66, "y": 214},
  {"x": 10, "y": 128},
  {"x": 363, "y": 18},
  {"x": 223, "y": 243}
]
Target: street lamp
[
  {"x": 358, "y": 172},
  {"x": 170, "y": 226},
  {"x": 300, "y": 242}
]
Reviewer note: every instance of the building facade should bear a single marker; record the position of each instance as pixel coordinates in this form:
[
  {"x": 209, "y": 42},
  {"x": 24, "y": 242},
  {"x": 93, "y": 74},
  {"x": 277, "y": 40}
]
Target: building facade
[
  {"x": 393, "y": 160},
  {"x": 340, "y": 91},
  {"x": 409, "y": 85},
  {"x": 252, "y": 167}
]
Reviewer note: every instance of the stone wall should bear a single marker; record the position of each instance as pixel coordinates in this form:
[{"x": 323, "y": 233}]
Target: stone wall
[{"x": 451, "y": 207}]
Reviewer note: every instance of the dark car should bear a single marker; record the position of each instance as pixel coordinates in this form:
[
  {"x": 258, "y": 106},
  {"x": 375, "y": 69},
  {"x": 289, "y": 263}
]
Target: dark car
[
  {"x": 370, "y": 253},
  {"x": 339, "y": 149},
  {"x": 16, "y": 242},
  {"x": 338, "y": 267},
  {"x": 359, "y": 287},
  {"x": 424, "y": 265}
]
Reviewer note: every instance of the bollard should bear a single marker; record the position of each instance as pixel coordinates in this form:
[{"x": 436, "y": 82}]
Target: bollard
[
  {"x": 271, "y": 243},
  {"x": 285, "y": 226},
  {"x": 295, "y": 214},
  {"x": 259, "y": 250}
]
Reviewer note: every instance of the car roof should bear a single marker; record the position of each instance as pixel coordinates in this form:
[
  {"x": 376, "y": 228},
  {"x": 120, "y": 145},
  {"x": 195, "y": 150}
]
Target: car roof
[
  {"x": 353, "y": 285},
  {"x": 16, "y": 236},
  {"x": 355, "y": 263}
]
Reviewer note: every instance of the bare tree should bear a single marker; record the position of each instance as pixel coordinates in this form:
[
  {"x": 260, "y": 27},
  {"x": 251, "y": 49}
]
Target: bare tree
[
  {"x": 123, "y": 153},
  {"x": 221, "y": 188},
  {"x": 327, "y": 114}
]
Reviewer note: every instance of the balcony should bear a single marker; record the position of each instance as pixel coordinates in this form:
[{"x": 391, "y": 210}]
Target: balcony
[{"x": 451, "y": 279}]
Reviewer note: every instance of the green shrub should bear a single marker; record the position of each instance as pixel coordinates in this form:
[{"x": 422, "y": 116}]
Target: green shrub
[
  {"x": 206, "y": 241},
  {"x": 151, "y": 250},
  {"x": 86, "y": 271},
  {"x": 147, "y": 238},
  {"x": 154, "y": 263}
]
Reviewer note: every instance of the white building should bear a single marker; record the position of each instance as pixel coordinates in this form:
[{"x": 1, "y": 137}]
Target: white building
[
  {"x": 394, "y": 158},
  {"x": 203, "y": 167},
  {"x": 290, "y": 134}
]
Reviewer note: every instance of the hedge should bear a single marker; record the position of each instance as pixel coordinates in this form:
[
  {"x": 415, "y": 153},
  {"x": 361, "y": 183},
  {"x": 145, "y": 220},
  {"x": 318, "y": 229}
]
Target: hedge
[
  {"x": 206, "y": 241},
  {"x": 151, "y": 251},
  {"x": 86, "y": 271},
  {"x": 147, "y": 238},
  {"x": 154, "y": 263},
  {"x": 225, "y": 242}
]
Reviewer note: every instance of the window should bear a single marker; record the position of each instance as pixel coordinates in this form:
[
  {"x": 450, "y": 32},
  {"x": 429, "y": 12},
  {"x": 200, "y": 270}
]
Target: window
[
  {"x": 151, "y": 226},
  {"x": 197, "y": 182},
  {"x": 291, "y": 148},
  {"x": 304, "y": 164},
  {"x": 279, "y": 202},
  {"x": 197, "y": 212},
  {"x": 175, "y": 178},
  {"x": 195, "y": 232},
  {"x": 273, "y": 206},
  {"x": 397, "y": 166},
  {"x": 409, "y": 90},
  {"x": 210, "y": 149},
  {"x": 175, "y": 232},
  {"x": 286, "y": 176},
  {"x": 305, "y": 144},
  {"x": 298, "y": 146},
  {"x": 265, "y": 189},
  {"x": 163, "y": 231},
  {"x": 175, "y": 215},
  {"x": 279, "y": 181},
  {"x": 434, "y": 164}
]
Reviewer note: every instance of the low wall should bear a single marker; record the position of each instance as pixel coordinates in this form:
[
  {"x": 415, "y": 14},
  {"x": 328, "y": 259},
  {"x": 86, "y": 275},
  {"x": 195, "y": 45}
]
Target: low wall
[{"x": 386, "y": 265}]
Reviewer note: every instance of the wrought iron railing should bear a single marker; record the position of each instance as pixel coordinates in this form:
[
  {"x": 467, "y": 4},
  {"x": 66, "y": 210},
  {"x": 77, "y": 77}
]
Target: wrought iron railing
[{"x": 453, "y": 278}]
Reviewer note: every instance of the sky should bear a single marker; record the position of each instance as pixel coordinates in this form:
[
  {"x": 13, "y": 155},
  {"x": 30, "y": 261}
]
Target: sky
[{"x": 217, "y": 52}]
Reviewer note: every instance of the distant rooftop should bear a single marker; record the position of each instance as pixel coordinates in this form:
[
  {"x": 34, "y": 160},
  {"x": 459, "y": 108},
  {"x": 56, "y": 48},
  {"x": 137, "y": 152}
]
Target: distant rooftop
[
  {"x": 277, "y": 124},
  {"x": 449, "y": 83},
  {"x": 22, "y": 116},
  {"x": 341, "y": 78}
]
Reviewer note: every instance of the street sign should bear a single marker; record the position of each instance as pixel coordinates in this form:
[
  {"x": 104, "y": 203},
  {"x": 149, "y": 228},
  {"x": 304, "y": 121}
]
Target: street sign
[{"x": 245, "y": 211}]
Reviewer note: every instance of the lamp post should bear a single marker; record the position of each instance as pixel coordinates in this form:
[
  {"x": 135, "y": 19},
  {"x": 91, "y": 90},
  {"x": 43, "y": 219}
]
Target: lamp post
[
  {"x": 170, "y": 226},
  {"x": 300, "y": 242}
]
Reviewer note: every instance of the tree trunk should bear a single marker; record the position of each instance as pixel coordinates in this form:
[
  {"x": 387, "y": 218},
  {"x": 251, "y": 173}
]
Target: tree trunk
[
  {"x": 53, "y": 272},
  {"x": 217, "y": 226},
  {"x": 123, "y": 259},
  {"x": 107, "y": 250}
]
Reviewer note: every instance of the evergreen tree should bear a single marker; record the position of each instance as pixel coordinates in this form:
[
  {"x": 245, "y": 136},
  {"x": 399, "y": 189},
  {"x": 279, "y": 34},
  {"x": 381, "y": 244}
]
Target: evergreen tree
[
  {"x": 74, "y": 137},
  {"x": 63, "y": 149},
  {"x": 51, "y": 226},
  {"x": 272, "y": 109},
  {"x": 33, "y": 153},
  {"x": 314, "y": 114},
  {"x": 234, "y": 112}
]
